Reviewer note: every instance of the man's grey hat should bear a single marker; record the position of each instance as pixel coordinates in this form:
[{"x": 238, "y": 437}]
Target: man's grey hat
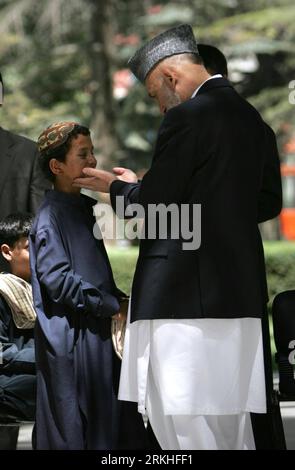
[{"x": 177, "y": 40}]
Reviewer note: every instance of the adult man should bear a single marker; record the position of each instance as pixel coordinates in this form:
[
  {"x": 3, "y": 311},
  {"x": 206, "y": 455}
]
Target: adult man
[
  {"x": 193, "y": 355},
  {"x": 22, "y": 184}
]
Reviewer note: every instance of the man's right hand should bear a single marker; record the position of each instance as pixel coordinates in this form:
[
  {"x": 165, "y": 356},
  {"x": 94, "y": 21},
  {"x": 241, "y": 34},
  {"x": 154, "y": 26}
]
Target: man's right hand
[{"x": 100, "y": 180}]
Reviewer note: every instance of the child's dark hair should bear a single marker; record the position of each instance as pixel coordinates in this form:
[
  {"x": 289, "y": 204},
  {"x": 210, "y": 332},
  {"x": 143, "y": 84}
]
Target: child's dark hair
[
  {"x": 59, "y": 152},
  {"x": 214, "y": 60},
  {"x": 14, "y": 227}
]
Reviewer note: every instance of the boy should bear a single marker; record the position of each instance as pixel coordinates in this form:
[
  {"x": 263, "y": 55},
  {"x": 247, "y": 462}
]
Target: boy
[
  {"x": 17, "y": 318},
  {"x": 75, "y": 297}
]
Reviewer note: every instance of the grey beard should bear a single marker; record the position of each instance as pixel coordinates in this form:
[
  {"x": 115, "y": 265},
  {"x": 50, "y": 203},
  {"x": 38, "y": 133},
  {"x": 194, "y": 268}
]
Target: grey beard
[{"x": 173, "y": 100}]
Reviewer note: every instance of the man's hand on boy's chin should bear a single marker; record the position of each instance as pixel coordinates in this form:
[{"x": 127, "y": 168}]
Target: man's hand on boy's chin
[
  {"x": 96, "y": 180},
  {"x": 100, "y": 180}
]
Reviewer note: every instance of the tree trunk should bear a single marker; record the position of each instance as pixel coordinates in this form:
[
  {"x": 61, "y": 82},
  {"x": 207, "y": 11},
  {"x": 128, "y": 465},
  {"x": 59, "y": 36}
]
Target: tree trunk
[
  {"x": 270, "y": 230},
  {"x": 100, "y": 52}
]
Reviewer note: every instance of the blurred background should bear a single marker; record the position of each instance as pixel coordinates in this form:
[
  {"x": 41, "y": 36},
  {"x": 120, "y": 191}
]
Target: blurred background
[{"x": 66, "y": 59}]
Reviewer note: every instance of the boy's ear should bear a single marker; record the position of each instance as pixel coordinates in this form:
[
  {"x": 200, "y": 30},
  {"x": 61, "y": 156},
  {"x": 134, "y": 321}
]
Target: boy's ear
[
  {"x": 55, "y": 166},
  {"x": 6, "y": 252}
]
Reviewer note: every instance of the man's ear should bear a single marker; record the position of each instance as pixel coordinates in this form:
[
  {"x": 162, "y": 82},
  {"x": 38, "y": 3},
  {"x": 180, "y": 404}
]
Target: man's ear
[
  {"x": 170, "y": 77},
  {"x": 55, "y": 166},
  {"x": 6, "y": 252}
]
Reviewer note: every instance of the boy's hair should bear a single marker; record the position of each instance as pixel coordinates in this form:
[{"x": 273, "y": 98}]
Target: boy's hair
[
  {"x": 14, "y": 227},
  {"x": 59, "y": 152}
]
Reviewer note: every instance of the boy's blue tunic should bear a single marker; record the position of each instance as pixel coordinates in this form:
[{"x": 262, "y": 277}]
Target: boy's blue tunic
[{"x": 75, "y": 296}]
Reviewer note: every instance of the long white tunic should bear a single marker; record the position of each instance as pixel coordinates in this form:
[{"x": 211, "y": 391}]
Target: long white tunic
[{"x": 200, "y": 366}]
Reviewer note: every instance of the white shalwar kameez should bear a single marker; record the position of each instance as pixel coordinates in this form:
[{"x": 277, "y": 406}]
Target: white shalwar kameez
[{"x": 196, "y": 380}]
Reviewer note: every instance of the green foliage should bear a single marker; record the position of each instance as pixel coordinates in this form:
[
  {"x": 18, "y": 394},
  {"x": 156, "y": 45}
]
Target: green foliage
[
  {"x": 45, "y": 60},
  {"x": 267, "y": 32},
  {"x": 19, "y": 115},
  {"x": 123, "y": 263},
  {"x": 280, "y": 267},
  {"x": 269, "y": 23}
]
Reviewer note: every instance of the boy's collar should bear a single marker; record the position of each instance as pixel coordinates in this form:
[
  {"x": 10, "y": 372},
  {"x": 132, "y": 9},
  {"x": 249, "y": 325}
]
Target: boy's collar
[{"x": 69, "y": 198}]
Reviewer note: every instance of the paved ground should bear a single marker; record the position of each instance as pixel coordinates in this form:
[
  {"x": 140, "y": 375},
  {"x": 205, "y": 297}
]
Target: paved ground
[
  {"x": 288, "y": 415},
  {"x": 25, "y": 437}
]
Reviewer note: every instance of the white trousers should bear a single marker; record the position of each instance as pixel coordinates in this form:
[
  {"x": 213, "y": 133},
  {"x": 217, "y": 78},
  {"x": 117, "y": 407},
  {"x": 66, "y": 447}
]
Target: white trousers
[{"x": 196, "y": 432}]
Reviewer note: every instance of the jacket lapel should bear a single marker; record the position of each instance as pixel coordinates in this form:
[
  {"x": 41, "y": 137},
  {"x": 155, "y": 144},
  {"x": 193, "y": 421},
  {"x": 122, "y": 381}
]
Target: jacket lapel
[{"x": 6, "y": 156}]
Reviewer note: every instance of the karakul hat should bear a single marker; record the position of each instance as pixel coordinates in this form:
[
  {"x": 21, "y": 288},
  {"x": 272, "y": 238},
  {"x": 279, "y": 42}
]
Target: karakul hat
[{"x": 179, "y": 40}]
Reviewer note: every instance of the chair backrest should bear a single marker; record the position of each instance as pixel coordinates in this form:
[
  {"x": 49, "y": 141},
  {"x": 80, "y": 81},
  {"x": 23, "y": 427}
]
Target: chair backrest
[{"x": 283, "y": 315}]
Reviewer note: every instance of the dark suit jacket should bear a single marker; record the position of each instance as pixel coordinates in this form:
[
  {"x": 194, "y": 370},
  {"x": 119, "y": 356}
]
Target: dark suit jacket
[
  {"x": 216, "y": 151},
  {"x": 22, "y": 184}
]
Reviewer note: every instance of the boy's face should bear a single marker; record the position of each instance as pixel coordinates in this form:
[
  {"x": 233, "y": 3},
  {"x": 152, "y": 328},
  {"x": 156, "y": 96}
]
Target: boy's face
[
  {"x": 18, "y": 258},
  {"x": 78, "y": 157}
]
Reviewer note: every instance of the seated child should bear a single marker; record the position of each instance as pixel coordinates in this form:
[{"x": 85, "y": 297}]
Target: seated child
[
  {"x": 17, "y": 319},
  {"x": 75, "y": 298}
]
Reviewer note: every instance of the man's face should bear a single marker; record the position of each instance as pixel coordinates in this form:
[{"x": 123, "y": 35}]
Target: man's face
[
  {"x": 20, "y": 260},
  {"x": 160, "y": 88},
  {"x": 78, "y": 157}
]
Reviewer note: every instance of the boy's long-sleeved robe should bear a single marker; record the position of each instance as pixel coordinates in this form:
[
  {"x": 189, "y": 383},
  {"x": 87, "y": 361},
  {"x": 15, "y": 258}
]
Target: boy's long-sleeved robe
[{"x": 75, "y": 297}]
